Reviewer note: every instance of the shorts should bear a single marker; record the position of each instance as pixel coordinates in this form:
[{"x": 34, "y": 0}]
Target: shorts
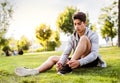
[{"x": 92, "y": 64}]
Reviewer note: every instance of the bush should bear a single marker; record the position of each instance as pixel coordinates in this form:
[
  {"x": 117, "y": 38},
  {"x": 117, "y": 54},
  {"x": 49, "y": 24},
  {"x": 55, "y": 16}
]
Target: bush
[
  {"x": 6, "y": 50},
  {"x": 51, "y": 46}
]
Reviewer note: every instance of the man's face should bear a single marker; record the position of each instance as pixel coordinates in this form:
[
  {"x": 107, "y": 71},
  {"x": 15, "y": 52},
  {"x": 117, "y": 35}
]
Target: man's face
[{"x": 79, "y": 25}]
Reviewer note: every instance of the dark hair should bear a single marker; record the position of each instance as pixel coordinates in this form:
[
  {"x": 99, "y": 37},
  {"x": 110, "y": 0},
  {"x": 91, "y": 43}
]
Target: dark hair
[{"x": 80, "y": 15}]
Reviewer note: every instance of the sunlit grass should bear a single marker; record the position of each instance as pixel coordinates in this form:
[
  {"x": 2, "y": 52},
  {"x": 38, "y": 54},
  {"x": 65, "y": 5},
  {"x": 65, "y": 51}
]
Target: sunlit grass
[{"x": 111, "y": 74}]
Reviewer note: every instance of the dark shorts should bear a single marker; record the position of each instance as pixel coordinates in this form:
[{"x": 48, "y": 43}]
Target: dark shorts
[{"x": 92, "y": 64}]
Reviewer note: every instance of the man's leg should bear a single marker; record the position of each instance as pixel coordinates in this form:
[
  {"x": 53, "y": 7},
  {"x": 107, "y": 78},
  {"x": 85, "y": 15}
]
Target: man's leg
[
  {"x": 21, "y": 71},
  {"x": 83, "y": 48},
  {"x": 49, "y": 63}
]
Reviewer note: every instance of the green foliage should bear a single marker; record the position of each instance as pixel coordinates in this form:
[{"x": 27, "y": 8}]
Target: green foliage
[
  {"x": 64, "y": 20},
  {"x": 6, "y": 11},
  {"x": 43, "y": 34},
  {"x": 51, "y": 45},
  {"x": 108, "y": 29},
  {"x": 6, "y": 48},
  {"x": 93, "y": 27},
  {"x": 23, "y": 43},
  {"x": 56, "y": 38},
  {"x": 48, "y": 39},
  {"x": 3, "y": 42},
  {"x": 109, "y": 20},
  {"x": 110, "y": 11},
  {"x": 55, "y": 41}
]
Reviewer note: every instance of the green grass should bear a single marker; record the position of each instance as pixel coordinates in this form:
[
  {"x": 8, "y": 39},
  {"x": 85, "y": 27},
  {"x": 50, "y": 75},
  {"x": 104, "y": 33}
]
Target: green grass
[{"x": 111, "y": 74}]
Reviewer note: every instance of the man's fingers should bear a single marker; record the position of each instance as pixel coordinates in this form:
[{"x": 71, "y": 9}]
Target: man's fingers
[
  {"x": 69, "y": 62},
  {"x": 58, "y": 66},
  {"x": 73, "y": 64}
]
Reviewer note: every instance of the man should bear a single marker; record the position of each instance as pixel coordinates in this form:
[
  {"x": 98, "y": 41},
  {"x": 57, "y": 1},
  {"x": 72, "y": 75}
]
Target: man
[{"x": 83, "y": 41}]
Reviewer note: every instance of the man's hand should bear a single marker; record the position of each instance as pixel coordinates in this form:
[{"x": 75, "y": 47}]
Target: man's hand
[
  {"x": 73, "y": 64},
  {"x": 58, "y": 66}
]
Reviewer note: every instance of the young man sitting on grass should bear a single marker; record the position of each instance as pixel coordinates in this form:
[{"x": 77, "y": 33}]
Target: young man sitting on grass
[{"x": 83, "y": 41}]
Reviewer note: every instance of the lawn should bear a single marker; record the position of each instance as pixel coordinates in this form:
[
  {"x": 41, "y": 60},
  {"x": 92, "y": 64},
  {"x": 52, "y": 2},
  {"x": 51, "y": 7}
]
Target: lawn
[{"x": 111, "y": 74}]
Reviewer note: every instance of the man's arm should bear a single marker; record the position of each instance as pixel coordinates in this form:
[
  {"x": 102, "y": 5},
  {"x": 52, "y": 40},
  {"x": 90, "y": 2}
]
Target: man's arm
[{"x": 67, "y": 51}]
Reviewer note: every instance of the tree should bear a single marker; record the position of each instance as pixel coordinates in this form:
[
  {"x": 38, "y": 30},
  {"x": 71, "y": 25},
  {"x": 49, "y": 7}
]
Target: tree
[
  {"x": 93, "y": 27},
  {"x": 6, "y": 10},
  {"x": 56, "y": 38},
  {"x": 23, "y": 43},
  {"x": 48, "y": 39},
  {"x": 108, "y": 29},
  {"x": 43, "y": 34},
  {"x": 118, "y": 23},
  {"x": 54, "y": 41},
  {"x": 109, "y": 20},
  {"x": 6, "y": 50},
  {"x": 64, "y": 21}
]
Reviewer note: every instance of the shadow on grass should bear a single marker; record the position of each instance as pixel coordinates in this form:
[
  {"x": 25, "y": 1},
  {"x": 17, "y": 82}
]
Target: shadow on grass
[{"x": 110, "y": 71}]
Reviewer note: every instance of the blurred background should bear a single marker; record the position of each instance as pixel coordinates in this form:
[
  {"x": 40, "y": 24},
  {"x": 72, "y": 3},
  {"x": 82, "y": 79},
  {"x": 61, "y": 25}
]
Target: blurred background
[{"x": 43, "y": 25}]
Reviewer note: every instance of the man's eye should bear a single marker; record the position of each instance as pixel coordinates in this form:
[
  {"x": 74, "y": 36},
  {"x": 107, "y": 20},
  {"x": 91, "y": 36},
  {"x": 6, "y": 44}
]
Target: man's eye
[{"x": 79, "y": 23}]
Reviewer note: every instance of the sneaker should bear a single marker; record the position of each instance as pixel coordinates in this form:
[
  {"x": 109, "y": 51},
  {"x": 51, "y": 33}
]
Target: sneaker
[
  {"x": 21, "y": 71},
  {"x": 103, "y": 64},
  {"x": 65, "y": 69}
]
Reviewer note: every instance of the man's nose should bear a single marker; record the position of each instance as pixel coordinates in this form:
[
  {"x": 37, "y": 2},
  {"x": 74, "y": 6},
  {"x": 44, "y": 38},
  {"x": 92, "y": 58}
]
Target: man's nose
[{"x": 76, "y": 28}]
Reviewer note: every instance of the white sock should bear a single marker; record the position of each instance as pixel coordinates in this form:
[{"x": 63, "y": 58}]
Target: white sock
[{"x": 33, "y": 71}]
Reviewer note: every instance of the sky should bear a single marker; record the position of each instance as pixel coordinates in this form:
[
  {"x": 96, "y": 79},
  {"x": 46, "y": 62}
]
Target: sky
[{"x": 28, "y": 14}]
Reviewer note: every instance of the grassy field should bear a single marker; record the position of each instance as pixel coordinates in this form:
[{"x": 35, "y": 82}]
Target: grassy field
[{"x": 111, "y": 74}]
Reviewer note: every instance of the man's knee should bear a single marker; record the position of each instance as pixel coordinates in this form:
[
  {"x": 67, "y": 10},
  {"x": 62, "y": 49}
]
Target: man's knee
[
  {"x": 85, "y": 42},
  {"x": 84, "y": 38},
  {"x": 53, "y": 58}
]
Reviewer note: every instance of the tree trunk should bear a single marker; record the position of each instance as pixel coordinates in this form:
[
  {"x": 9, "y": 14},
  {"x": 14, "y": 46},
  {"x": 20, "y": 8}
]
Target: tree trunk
[{"x": 118, "y": 23}]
